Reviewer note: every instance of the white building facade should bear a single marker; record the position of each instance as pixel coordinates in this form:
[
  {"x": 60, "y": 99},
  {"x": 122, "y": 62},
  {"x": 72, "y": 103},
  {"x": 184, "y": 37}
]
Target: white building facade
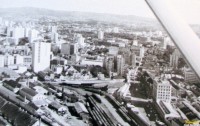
[
  {"x": 162, "y": 91},
  {"x": 41, "y": 56}
]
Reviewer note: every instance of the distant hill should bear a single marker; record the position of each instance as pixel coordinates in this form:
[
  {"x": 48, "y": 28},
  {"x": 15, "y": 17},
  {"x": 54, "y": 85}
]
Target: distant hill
[{"x": 30, "y": 12}]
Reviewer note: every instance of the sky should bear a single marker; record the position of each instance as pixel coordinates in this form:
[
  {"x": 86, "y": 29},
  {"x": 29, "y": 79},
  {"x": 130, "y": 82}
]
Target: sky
[{"x": 189, "y": 9}]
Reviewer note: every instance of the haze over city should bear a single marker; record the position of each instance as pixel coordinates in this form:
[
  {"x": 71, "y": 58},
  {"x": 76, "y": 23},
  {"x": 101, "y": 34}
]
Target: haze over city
[
  {"x": 99, "y": 63},
  {"x": 188, "y": 8}
]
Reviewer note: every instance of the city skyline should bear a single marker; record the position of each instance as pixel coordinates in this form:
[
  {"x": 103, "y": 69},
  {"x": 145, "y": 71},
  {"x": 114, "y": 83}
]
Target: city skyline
[
  {"x": 187, "y": 8},
  {"x": 62, "y": 68}
]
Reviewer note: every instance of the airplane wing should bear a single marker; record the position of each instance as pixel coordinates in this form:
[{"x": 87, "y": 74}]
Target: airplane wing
[{"x": 180, "y": 32}]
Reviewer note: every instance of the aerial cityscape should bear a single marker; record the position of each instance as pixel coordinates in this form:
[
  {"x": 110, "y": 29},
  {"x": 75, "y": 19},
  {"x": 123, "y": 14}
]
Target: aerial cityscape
[{"x": 61, "y": 68}]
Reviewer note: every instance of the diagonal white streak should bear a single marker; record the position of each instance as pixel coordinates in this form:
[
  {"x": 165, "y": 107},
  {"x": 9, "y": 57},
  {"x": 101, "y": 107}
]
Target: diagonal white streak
[{"x": 181, "y": 33}]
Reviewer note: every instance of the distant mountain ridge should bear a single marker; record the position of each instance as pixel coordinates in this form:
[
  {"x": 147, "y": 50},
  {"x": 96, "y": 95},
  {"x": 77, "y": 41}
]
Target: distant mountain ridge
[{"x": 36, "y": 12}]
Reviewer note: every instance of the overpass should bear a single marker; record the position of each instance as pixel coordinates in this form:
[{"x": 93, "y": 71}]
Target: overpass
[{"x": 78, "y": 82}]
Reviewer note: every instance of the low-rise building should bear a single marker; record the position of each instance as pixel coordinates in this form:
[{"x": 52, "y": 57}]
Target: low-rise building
[
  {"x": 40, "y": 90},
  {"x": 31, "y": 95},
  {"x": 43, "y": 76},
  {"x": 12, "y": 85},
  {"x": 138, "y": 115},
  {"x": 9, "y": 74},
  {"x": 81, "y": 110},
  {"x": 92, "y": 62},
  {"x": 59, "y": 108},
  {"x": 15, "y": 116},
  {"x": 167, "y": 112},
  {"x": 57, "y": 62},
  {"x": 40, "y": 103}
]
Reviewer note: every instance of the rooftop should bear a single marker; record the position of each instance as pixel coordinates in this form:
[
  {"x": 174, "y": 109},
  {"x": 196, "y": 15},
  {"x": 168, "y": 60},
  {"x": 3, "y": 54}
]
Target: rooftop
[
  {"x": 80, "y": 107},
  {"x": 12, "y": 83},
  {"x": 2, "y": 102},
  {"x": 9, "y": 72},
  {"x": 55, "y": 105},
  {"x": 168, "y": 109},
  {"x": 29, "y": 91}
]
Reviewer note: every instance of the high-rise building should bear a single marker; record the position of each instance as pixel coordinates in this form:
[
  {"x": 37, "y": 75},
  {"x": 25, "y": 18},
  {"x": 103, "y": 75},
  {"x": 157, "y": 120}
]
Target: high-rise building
[
  {"x": 174, "y": 57},
  {"x": 54, "y": 37},
  {"x": 9, "y": 31},
  {"x": 41, "y": 56},
  {"x": 18, "y": 32},
  {"x": 133, "y": 59},
  {"x": 126, "y": 56},
  {"x": 100, "y": 35},
  {"x": 164, "y": 44},
  {"x": 80, "y": 40},
  {"x": 27, "y": 60},
  {"x": 69, "y": 48},
  {"x": 142, "y": 51},
  {"x": 32, "y": 35},
  {"x": 109, "y": 64},
  {"x": 2, "y": 60},
  {"x": 120, "y": 65},
  {"x": 190, "y": 76},
  {"x": 54, "y": 29},
  {"x": 9, "y": 60},
  {"x": 26, "y": 33},
  {"x": 136, "y": 50},
  {"x": 18, "y": 59},
  {"x": 162, "y": 90}
]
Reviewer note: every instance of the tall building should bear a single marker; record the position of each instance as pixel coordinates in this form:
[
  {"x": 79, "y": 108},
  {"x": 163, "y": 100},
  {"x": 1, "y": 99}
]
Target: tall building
[
  {"x": 18, "y": 59},
  {"x": 163, "y": 44},
  {"x": 9, "y": 31},
  {"x": 100, "y": 35},
  {"x": 133, "y": 59},
  {"x": 162, "y": 90},
  {"x": 142, "y": 51},
  {"x": 54, "y": 29},
  {"x": 18, "y": 32},
  {"x": 109, "y": 64},
  {"x": 126, "y": 55},
  {"x": 120, "y": 65},
  {"x": 174, "y": 57},
  {"x": 9, "y": 60},
  {"x": 136, "y": 49},
  {"x": 41, "y": 56},
  {"x": 26, "y": 32},
  {"x": 54, "y": 37},
  {"x": 27, "y": 60},
  {"x": 32, "y": 35},
  {"x": 69, "y": 48},
  {"x": 1, "y": 60},
  {"x": 80, "y": 40},
  {"x": 190, "y": 76}
]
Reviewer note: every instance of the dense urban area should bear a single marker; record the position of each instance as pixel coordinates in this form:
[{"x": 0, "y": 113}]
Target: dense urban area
[{"x": 60, "y": 72}]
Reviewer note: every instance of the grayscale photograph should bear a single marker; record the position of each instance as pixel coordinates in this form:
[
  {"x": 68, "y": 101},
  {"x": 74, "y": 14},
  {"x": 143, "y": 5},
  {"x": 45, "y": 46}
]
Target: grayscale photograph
[{"x": 99, "y": 62}]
